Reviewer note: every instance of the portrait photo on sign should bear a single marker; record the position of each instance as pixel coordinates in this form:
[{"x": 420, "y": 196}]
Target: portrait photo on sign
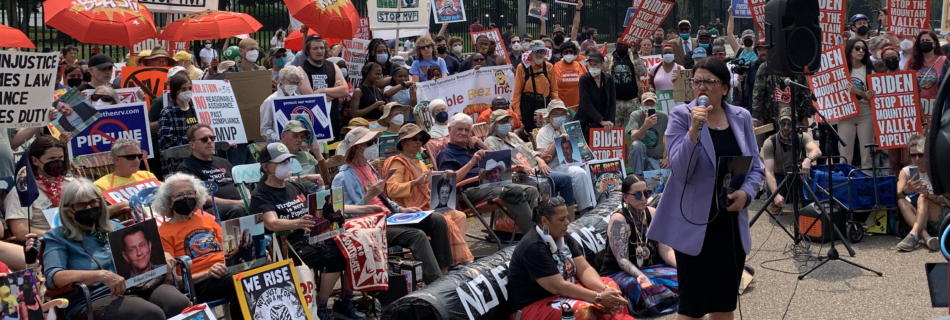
[
  {"x": 495, "y": 169},
  {"x": 443, "y": 191},
  {"x": 326, "y": 208},
  {"x": 75, "y": 112},
  {"x": 567, "y": 151},
  {"x": 137, "y": 252},
  {"x": 271, "y": 292},
  {"x": 245, "y": 245},
  {"x": 20, "y": 297},
  {"x": 538, "y": 9}
]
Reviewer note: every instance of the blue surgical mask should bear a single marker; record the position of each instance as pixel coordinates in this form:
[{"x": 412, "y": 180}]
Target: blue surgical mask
[
  {"x": 442, "y": 117},
  {"x": 557, "y": 122},
  {"x": 280, "y": 62},
  {"x": 346, "y": 73},
  {"x": 382, "y": 57},
  {"x": 684, "y": 36},
  {"x": 504, "y": 129}
]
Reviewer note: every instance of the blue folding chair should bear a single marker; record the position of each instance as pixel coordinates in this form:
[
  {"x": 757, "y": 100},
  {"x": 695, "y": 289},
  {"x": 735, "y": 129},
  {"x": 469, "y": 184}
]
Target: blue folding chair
[{"x": 246, "y": 175}]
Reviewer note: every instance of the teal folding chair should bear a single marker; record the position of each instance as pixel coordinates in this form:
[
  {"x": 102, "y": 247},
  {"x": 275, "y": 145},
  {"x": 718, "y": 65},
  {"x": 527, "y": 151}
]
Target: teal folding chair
[{"x": 246, "y": 176}]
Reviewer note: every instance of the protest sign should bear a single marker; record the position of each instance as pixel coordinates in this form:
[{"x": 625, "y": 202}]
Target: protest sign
[
  {"x": 398, "y": 14},
  {"x": 245, "y": 245},
  {"x": 740, "y": 9},
  {"x": 757, "y": 7},
  {"x": 831, "y": 19},
  {"x": 126, "y": 95},
  {"x": 198, "y": 312},
  {"x": 945, "y": 18},
  {"x": 907, "y": 18},
  {"x": 150, "y": 79},
  {"x": 648, "y": 17},
  {"x": 656, "y": 179},
  {"x": 20, "y": 297},
  {"x": 312, "y": 107},
  {"x": 326, "y": 210},
  {"x": 538, "y": 9},
  {"x": 137, "y": 253},
  {"x": 363, "y": 31},
  {"x": 606, "y": 145},
  {"x": 894, "y": 108},
  {"x": 443, "y": 191},
  {"x": 607, "y": 175},
  {"x": 830, "y": 87},
  {"x": 567, "y": 2},
  {"x": 664, "y": 100},
  {"x": 75, "y": 112},
  {"x": 448, "y": 11},
  {"x": 271, "y": 292},
  {"x": 215, "y": 103},
  {"x": 567, "y": 153},
  {"x": 630, "y": 12},
  {"x": 573, "y": 129},
  {"x": 128, "y": 121},
  {"x": 495, "y": 169},
  {"x": 354, "y": 54},
  {"x": 470, "y": 91},
  {"x": 927, "y": 107},
  {"x": 27, "y": 81},
  {"x": 125, "y": 193},
  {"x": 650, "y": 62},
  {"x": 387, "y": 146},
  {"x": 682, "y": 89},
  {"x": 250, "y": 89},
  {"x": 494, "y": 35},
  {"x": 148, "y": 44},
  {"x": 526, "y": 57}
]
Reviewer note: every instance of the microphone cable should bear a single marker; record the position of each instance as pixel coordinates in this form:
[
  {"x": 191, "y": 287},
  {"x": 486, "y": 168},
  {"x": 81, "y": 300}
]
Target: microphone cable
[{"x": 689, "y": 161}]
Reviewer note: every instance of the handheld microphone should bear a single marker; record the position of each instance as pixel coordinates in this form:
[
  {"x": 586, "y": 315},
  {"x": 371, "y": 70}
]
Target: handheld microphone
[
  {"x": 789, "y": 82},
  {"x": 703, "y": 101}
]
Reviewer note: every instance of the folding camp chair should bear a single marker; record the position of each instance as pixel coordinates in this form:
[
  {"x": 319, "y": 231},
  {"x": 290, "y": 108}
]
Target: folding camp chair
[
  {"x": 246, "y": 176},
  {"x": 255, "y": 149},
  {"x": 329, "y": 168},
  {"x": 94, "y": 166},
  {"x": 59, "y": 293}
]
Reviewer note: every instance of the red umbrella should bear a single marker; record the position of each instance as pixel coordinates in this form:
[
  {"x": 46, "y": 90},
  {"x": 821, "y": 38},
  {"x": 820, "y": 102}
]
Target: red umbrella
[
  {"x": 14, "y": 38},
  {"x": 294, "y": 41},
  {"x": 210, "y": 24},
  {"x": 333, "y": 19},
  {"x": 122, "y": 23}
]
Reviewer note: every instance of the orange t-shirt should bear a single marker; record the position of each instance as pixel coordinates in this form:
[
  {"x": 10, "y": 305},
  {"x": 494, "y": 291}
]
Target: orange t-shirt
[
  {"x": 199, "y": 238},
  {"x": 568, "y": 76}
]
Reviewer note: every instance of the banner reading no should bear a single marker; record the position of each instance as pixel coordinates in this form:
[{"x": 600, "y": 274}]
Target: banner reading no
[
  {"x": 894, "y": 107},
  {"x": 830, "y": 86},
  {"x": 649, "y": 16}
]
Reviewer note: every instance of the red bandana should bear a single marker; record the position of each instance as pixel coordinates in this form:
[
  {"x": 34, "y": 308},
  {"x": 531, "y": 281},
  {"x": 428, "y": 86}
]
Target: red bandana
[{"x": 52, "y": 189}]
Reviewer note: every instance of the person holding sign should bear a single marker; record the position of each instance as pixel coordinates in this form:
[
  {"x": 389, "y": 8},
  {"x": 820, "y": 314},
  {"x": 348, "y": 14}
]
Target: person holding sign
[
  {"x": 930, "y": 63},
  {"x": 50, "y": 163},
  {"x": 191, "y": 232},
  {"x": 175, "y": 119},
  {"x": 324, "y": 77},
  {"x": 919, "y": 206},
  {"x": 861, "y": 125},
  {"x": 663, "y": 79},
  {"x": 127, "y": 157},
  {"x": 78, "y": 251}
]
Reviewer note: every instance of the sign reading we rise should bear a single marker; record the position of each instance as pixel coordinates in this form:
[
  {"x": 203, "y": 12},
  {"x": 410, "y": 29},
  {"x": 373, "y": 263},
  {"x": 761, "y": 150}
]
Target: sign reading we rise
[{"x": 896, "y": 115}]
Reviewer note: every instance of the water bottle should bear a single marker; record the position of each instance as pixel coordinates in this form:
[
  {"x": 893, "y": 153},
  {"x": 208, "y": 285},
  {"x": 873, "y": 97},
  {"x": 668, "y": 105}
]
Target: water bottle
[{"x": 567, "y": 313}]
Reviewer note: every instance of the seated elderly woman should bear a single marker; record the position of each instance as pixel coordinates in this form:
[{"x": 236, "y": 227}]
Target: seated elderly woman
[
  {"x": 525, "y": 160},
  {"x": 127, "y": 157},
  {"x": 410, "y": 186},
  {"x": 179, "y": 200},
  {"x": 393, "y": 118},
  {"x": 104, "y": 95},
  {"x": 548, "y": 268},
  {"x": 440, "y": 114},
  {"x": 644, "y": 269},
  {"x": 362, "y": 185},
  {"x": 78, "y": 251}
]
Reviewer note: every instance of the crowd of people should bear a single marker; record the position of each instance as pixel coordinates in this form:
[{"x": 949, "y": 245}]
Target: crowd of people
[{"x": 669, "y": 258}]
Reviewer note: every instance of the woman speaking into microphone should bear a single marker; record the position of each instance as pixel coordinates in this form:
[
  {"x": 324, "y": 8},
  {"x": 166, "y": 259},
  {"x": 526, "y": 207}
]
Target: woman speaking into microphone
[{"x": 710, "y": 241}]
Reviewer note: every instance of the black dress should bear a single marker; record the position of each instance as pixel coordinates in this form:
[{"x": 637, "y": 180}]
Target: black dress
[{"x": 709, "y": 282}]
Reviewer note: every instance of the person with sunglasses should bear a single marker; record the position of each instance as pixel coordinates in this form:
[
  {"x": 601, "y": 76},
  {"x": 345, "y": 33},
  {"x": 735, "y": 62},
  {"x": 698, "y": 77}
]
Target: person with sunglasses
[
  {"x": 918, "y": 204},
  {"x": 425, "y": 59},
  {"x": 103, "y": 96},
  {"x": 204, "y": 165},
  {"x": 779, "y": 159},
  {"x": 127, "y": 157},
  {"x": 861, "y": 125},
  {"x": 644, "y": 269}
]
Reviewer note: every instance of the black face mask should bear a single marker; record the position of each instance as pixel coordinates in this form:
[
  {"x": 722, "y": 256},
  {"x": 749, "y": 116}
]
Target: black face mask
[
  {"x": 87, "y": 217},
  {"x": 658, "y": 41},
  {"x": 926, "y": 47},
  {"x": 184, "y": 206},
  {"x": 74, "y": 82},
  {"x": 863, "y": 30},
  {"x": 748, "y": 42},
  {"x": 558, "y": 40},
  {"x": 622, "y": 49},
  {"x": 54, "y": 168},
  {"x": 87, "y": 77},
  {"x": 441, "y": 50},
  {"x": 892, "y": 64}
]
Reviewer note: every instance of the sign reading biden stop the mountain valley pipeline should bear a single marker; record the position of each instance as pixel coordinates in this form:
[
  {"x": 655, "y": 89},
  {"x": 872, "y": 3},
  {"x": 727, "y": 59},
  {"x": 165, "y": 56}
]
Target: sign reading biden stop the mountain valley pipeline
[
  {"x": 896, "y": 115},
  {"x": 128, "y": 121},
  {"x": 215, "y": 103}
]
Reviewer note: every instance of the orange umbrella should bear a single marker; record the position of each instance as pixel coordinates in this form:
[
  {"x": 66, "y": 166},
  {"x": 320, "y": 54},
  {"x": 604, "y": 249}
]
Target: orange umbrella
[
  {"x": 14, "y": 38},
  {"x": 210, "y": 24},
  {"x": 294, "y": 41},
  {"x": 121, "y": 23},
  {"x": 334, "y": 19}
]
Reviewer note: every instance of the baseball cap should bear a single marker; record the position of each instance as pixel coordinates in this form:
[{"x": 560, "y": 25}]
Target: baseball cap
[
  {"x": 182, "y": 55},
  {"x": 274, "y": 51},
  {"x": 175, "y": 70},
  {"x": 785, "y": 111},
  {"x": 699, "y": 52},
  {"x": 684, "y": 22},
  {"x": 647, "y": 96},
  {"x": 275, "y": 152},
  {"x": 558, "y": 29},
  {"x": 760, "y": 43},
  {"x": 537, "y": 45},
  {"x": 595, "y": 56},
  {"x": 748, "y": 33},
  {"x": 497, "y": 115},
  {"x": 295, "y": 126},
  {"x": 101, "y": 61},
  {"x": 703, "y": 33}
]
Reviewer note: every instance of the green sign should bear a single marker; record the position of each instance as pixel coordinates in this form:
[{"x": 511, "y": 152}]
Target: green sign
[
  {"x": 665, "y": 101},
  {"x": 389, "y": 4}
]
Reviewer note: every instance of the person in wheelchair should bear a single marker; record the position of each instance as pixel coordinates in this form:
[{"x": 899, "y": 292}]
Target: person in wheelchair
[
  {"x": 918, "y": 204},
  {"x": 779, "y": 159},
  {"x": 524, "y": 160}
]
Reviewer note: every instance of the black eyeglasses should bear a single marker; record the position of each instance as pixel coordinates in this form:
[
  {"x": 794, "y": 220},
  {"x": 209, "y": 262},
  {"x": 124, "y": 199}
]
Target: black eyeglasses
[
  {"x": 916, "y": 155},
  {"x": 94, "y": 203},
  {"x": 860, "y": 48},
  {"x": 478, "y": 60},
  {"x": 640, "y": 195},
  {"x": 205, "y": 139},
  {"x": 103, "y": 97},
  {"x": 130, "y": 157}
]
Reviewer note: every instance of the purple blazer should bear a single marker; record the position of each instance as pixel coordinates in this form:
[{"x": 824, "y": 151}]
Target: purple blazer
[{"x": 669, "y": 226}]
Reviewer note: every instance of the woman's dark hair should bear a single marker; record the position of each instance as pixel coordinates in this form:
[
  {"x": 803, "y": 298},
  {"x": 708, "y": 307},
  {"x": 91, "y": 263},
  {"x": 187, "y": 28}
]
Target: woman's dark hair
[
  {"x": 570, "y": 45},
  {"x": 717, "y": 67},
  {"x": 392, "y": 80},
  {"x": 371, "y": 49},
  {"x": 367, "y": 68},
  {"x": 866, "y": 60},
  {"x": 444, "y": 182},
  {"x": 71, "y": 68},
  {"x": 432, "y": 72},
  {"x": 480, "y": 54},
  {"x": 43, "y": 143},
  {"x": 916, "y": 59},
  {"x": 175, "y": 84},
  {"x": 546, "y": 209},
  {"x": 628, "y": 183}
]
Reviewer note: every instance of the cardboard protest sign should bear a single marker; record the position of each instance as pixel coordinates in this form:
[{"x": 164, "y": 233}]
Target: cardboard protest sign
[
  {"x": 126, "y": 95},
  {"x": 398, "y": 14},
  {"x": 125, "y": 193},
  {"x": 312, "y": 107},
  {"x": 470, "y": 91},
  {"x": 150, "y": 79},
  {"x": 740, "y": 9},
  {"x": 606, "y": 175},
  {"x": 245, "y": 245},
  {"x": 354, "y": 53},
  {"x": 27, "y": 81},
  {"x": 573, "y": 129},
  {"x": 215, "y": 103},
  {"x": 448, "y": 11},
  {"x": 894, "y": 108},
  {"x": 830, "y": 86},
  {"x": 75, "y": 113},
  {"x": 648, "y": 17},
  {"x": 326, "y": 208},
  {"x": 538, "y": 9},
  {"x": 20, "y": 297},
  {"x": 757, "y": 7},
  {"x": 363, "y": 31},
  {"x": 831, "y": 19},
  {"x": 494, "y": 35},
  {"x": 682, "y": 88},
  {"x": 250, "y": 89},
  {"x": 443, "y": 191},
  {"x": 495, "y": 169},
  {"x": 606, "y": 145},
  {"x": 137, "y": 253},
  {"x": 907, "y": 18},
  {"x": 128, "y": 121},
  {"x": 271, "y": 293}
]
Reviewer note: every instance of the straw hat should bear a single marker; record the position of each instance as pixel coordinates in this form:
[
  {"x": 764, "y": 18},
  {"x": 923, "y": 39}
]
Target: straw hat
[
  {"x": 386, "y": 109},
  {"x": 356, "y": 136},
  {"x": 156, "y": 53}
]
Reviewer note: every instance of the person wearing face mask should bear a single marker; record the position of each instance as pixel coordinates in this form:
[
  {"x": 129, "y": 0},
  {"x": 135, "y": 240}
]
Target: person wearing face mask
[
  {"x": 73, "y": 76},
  {"x": 890, "y": 57},
  {"x": 175, "y": 119},
  {"x": 179, "y": 201},
  {"x": 626, "y": 68},
  {"x": 183, "y": 59},
  {"x": 598, "y": 97},
  {"x": 289, "y": 79},
  {"x": 207, "y": 53},
  {"x": 743, "y": 48},
  {"x": 683, "y": 45},
  {"x": 483, "y": 46},
  {"x": 392, "y": 119},
  {"x": 79, "y": 251},
  {"x": 658, "y": 40},
  {"x": 425, "y": 59},
  {"x": 362, "y": 185},
  {"x": 645, "y": 269},
  {"x": 930, "y": 63},
  {"x": 50, "y": 163},
  {"x": 703, "y": 40},
  {"x": 534, "y": 88},
  {"x": 499, "y": 103},
  {"x": 860, "y": 26},
  {"x": 514, "y": 53},
  {"x": 440, "y": 114},
  {"x": 100, "y": 69},
  {"x": 662, "y": 75},
  {"x": 103, "y": 96},
  {"x": 455, "y": 50},
  {"x": 203, "y": 164},
  {"x": 442, "y": 51},
  {"x": 567, "y": 73},
  {"x": 778, "y": 158},
  {"x": 648, "y": 146}
]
